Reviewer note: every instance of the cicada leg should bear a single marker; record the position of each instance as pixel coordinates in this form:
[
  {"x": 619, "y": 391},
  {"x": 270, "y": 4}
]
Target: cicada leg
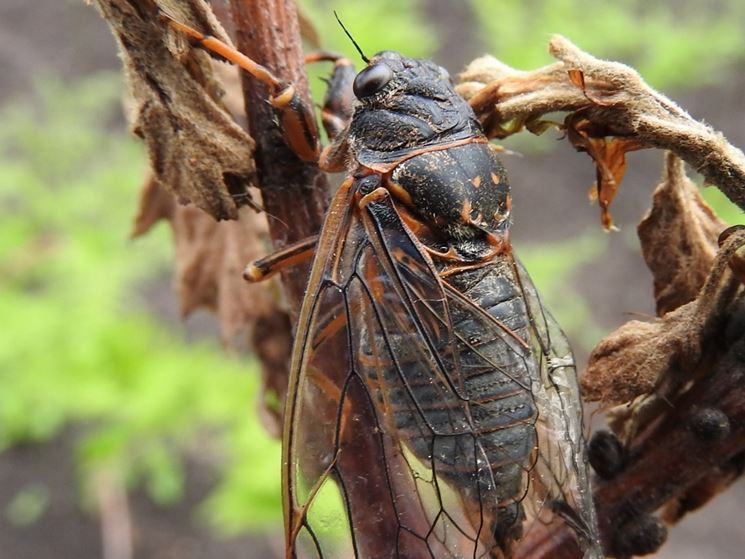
[
  {"x": 336, "y": 111},
  {"x": 291, "y": 255},
  {"x": 296, "y": 119}
]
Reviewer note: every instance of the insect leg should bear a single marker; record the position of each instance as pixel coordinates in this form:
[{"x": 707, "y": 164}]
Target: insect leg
[
  {"x": 295, "y": 253},
  {"x": 337, "y": 110},
  {"x": 296, "y": 119}
]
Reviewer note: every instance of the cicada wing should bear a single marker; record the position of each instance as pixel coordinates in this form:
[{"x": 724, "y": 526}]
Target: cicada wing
[
  {"x": 414, "y": 414},
  {"x": 381, "y": 455},
  {"x": 560, "y": 491},
  {"x": 314, "y": 405}
]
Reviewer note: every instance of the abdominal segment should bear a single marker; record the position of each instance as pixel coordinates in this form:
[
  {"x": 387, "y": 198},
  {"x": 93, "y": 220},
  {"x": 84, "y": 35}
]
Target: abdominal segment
[{"x": 454, "y": 387}]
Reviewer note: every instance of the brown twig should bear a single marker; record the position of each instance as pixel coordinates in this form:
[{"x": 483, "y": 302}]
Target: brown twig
[{"x": 295, "y": 194}]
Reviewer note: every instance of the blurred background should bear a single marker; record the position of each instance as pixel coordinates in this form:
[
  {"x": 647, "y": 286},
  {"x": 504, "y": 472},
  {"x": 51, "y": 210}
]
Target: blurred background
[{"x": 127, "y": 431}]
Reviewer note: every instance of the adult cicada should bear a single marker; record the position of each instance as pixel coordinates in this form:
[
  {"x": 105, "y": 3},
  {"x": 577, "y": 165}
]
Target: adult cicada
[{"x": 432, "y": 409}]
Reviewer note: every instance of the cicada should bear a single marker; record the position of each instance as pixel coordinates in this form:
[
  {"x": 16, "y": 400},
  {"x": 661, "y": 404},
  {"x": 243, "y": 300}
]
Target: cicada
[{"x": 432, "y": 409}]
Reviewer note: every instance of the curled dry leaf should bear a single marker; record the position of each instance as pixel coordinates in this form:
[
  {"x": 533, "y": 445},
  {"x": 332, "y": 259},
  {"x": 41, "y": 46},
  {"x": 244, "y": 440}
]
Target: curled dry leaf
[
  {"x": 507, "y": 100},
  {"x": 606, "y": 100},
  {"x": 609, "y": 154},
  {"x": 196, "y": 149},
  {"x": 210, "y": 257},
  {"x": 657, "y": 358},
  {"x": 630, "y": 361},
  {"x": 678, "y": 238}
]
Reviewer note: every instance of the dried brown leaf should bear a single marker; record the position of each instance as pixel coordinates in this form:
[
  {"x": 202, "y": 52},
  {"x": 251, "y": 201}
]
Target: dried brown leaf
[
  {"x": 609, "y": 154},
  {"x": 630, "y": 361},
  {"x": 210, "y": 257},
  {"x": 196, "y": 149},
  {"x": 614, "y": 101},
  {"x": 507, "y": 100},
  {"x": 155, "y": 204},
  {"x": 658, "y": 357},
  {"x": 678, "y": 238}
]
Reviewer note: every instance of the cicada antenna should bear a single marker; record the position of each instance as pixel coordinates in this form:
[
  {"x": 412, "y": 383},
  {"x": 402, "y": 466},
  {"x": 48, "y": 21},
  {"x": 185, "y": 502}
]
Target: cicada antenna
[{"x": 365, "y": 59}]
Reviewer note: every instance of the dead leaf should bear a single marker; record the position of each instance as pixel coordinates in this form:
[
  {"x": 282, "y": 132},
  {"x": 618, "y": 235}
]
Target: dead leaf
[
  {"x": 678, "y": 238},
  {"x": 630, "y": 361},
  {"x": 210, "y": 257},
  {"x": 196, "y": 149},
  {"x": 507, "y": 100},
  {"x": 614, "y": 102},
  {"x": 659, "y": 357},
  {"x": 609, "y": 155}
]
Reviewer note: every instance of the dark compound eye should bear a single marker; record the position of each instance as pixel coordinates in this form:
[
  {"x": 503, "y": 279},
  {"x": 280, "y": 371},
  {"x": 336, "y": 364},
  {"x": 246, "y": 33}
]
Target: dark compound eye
[{"x": 371, "y": 80}]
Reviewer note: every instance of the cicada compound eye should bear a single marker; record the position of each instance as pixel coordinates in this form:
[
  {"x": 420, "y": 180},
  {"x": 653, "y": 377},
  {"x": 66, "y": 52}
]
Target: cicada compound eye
[{"x": 371, "y": 80}]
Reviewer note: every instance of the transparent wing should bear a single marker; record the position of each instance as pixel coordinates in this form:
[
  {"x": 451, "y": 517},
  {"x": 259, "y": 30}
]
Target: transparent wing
[
  {"x": 560, "y": 492},
  {"x": 412, "y": 423}
]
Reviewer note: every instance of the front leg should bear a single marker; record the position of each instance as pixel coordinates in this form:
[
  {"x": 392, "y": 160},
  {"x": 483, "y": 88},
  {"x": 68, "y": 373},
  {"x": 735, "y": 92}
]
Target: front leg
[{"x": 295, "y": 118}]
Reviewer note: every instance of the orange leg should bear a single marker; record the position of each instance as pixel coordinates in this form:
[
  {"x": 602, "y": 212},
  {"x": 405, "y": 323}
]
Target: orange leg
[
  {"x": 296, "y": 119},
  {"x": 292, "y": 254}
]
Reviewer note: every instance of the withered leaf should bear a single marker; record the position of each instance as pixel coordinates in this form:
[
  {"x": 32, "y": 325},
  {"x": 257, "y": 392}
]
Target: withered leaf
[
  {"x": 507, "y": 100},
  {"x": 609, "y": 154},
  {"x": 210, "y": 257},
  {"x": 641, "y": 357},
  {"x": 613, "y": 101},
  {"x": 631, "y": 360},
  {"x": 196, "y": 149},
  {"x": 678, "y": 237}
]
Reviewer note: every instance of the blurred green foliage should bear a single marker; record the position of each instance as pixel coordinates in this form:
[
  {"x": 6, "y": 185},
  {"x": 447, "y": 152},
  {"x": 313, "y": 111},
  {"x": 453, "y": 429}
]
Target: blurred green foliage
[
  {"x": 722, "y": 206},
  {"x": 82, "y": 346},
  {"x": 27, "y": 505},
  {"x": 683, "y": 43},
  {"x": 381, "y": 25}
]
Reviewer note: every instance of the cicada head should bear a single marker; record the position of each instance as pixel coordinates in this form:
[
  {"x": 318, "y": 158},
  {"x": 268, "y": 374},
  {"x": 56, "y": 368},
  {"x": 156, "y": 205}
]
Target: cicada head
[{"x": 406, "y": 103}]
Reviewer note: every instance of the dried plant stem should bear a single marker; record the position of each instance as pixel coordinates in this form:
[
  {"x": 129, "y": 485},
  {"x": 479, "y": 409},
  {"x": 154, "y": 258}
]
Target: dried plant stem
[
  {"x": 295, "y": 194},
  {"x": 672, "y": 456}
]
